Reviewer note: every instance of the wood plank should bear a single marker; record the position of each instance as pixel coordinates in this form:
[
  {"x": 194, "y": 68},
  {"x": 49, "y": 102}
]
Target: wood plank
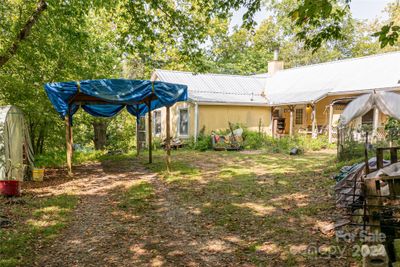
[
  {"x": 379, "y": 158},
  {"x": 393, "y": 155},
  {"x": 168, "y": 141},
  {"x": 69, "y": 141},
  {"x": 150, "y": 133}
]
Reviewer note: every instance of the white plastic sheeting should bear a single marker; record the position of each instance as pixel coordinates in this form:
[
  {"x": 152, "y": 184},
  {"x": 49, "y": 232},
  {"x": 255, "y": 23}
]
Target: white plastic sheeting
[
  {"x": 386, "y": 102},
  {"x": 15, "y": 144}
]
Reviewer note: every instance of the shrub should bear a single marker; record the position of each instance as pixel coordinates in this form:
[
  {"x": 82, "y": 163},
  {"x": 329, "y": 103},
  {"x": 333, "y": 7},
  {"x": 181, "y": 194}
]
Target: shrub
[{"x": 203, "y": 143}]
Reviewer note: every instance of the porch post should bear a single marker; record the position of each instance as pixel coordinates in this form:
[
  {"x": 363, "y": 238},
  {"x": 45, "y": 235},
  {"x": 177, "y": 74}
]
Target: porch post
[
  {"x": 291, "y": 108},
  {"x": 314, "y": 121},
  {"x": 150, "y": 133},
  {"x": 168, "y": 143},
  {"x": 69, "y": 142},
  {"x": 272, "y": 123},
  {"x": 330, "y": 122},
  {"x": 375, "y": 124}
]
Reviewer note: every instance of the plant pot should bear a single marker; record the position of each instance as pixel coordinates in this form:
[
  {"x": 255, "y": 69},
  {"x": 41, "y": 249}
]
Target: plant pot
[
  {"x": 10, "y": 188},
  {"x": 37, "y": 175}
]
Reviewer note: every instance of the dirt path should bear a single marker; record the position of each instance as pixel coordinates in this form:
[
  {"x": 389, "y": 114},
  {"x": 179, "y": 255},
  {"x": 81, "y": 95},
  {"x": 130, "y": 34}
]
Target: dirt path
[{"x": 95, "y": 236}]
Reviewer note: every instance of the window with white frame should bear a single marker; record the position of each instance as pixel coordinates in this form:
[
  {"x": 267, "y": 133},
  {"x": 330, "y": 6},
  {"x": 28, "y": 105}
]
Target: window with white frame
[
  {"x": 183, "y": 126},
  {"x": 299, "y": 115},
  {"x": 157, "y": 122}
]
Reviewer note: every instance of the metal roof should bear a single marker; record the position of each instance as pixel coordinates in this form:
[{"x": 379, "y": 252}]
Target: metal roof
[
  {"x": 218, "y": 88},
  {"x": 293, "y": 86},
  {"x": 313, "y": 82}
]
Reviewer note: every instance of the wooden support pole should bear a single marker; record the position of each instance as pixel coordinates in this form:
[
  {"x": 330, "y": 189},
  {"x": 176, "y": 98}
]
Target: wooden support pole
[
  {"x": 291, "y": 109},
  {"x": 330, "y": 127},
  {"x": 375, "y": 124},
  {"x": 137, "y": 137},
  {"x": 272, "y": 122},
  {"x": 150, "y": 133},
  {"x": 314, "y": 121},
  {"x": 69, "y": 142},
  {"x": 168, "y": 143}
]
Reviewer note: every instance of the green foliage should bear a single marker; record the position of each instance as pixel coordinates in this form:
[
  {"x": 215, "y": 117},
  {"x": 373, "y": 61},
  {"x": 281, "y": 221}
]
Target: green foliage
[
  {"x": 392, "y": 127},
  {"x": 204, "y": 141},
  {"x": 56, "y": 159}
]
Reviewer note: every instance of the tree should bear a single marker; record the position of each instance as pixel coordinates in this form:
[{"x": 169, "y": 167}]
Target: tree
[{"x": 23, "y": 33}]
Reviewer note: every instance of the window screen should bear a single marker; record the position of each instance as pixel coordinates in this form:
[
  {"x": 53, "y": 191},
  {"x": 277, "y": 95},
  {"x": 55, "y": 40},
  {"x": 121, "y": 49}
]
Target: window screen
[
  {"x": 183, "y": 122},
  {"x": 157, "y": 122}
]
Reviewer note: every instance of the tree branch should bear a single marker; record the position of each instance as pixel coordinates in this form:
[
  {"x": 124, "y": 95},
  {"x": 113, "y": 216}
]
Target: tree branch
[{"x": 23, "y": 33}]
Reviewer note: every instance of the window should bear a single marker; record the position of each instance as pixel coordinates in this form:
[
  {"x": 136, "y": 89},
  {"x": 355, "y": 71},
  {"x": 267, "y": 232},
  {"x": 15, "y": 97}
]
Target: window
[
  {"x": 183, "y": 121},
  {"x": 275, "y": 114},
  {"x": 299, "y": 116},
  {"x": 368, "y": 118},
  {"x": 157, "y": 122}
]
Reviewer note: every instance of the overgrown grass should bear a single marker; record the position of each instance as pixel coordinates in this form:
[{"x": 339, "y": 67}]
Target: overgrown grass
[
  {"x": 138, "y": 197},
  {"x": 35, "y": 221},
  {"x": 256, "y": 140},
  {"x": 58, "y": 158},
  {"x": 263, "y": 198}
]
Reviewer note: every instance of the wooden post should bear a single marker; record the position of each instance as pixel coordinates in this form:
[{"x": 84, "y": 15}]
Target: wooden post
[
  {"x": 69, "y": 142},
  {"x": 373, "y": 203},
  {"x": 168, "y": 142},
  {"x": 375, "y": 124},
  {"x": 150, "y": 133},
  {"x": 330, "y": 130},
  {"x": 366, "y": 159},
  {"x": 379, "y": 158},
  {"x": 291, "y": 109},
  {"x": 137, "y": 137},
  {"x": 314, "y": 122},
  {"x": 272, "y": 122}
]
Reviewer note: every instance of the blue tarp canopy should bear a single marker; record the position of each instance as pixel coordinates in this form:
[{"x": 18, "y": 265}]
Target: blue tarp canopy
[{"x": 107, "y": 97}]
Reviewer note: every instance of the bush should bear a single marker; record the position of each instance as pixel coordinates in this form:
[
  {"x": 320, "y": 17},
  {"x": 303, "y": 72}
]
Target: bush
[
  {"x": 203, "y": 143},
  {"x": 253, "y": 140}
]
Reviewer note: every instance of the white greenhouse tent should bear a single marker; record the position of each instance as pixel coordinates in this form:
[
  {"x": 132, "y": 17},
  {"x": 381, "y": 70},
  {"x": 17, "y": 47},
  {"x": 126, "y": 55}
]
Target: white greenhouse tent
[
  {"x": 16, "y": 153},
  {"x": 387, "y": 102}
]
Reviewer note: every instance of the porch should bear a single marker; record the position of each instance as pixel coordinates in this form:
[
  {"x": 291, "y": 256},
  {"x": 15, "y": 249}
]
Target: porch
[{"x": 322, "y": 117}]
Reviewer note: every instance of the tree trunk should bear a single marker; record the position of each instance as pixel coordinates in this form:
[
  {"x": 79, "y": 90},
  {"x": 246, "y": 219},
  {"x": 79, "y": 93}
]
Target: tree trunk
[
  {"x": 100, "y": 134},
  {"x": 23, "y": 33}
]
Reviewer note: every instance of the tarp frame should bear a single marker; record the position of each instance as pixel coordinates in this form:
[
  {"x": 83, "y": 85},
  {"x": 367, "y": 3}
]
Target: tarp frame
[{"x": 81, "y": 99}]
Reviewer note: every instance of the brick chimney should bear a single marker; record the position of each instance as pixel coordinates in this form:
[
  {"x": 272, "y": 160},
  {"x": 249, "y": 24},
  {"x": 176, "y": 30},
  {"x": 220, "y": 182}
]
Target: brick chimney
[{"x": 275, "y": 65}]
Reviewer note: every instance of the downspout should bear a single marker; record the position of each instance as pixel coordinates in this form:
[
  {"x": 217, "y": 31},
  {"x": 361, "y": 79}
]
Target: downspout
[{"x": 196, "y": 120}]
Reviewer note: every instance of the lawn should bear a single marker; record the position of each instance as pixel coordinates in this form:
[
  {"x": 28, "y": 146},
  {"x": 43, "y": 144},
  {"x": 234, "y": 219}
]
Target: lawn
[
  {"x": 249, "y": 208},
  {"x": 221, "y": 208},
  {"x": 35, "y": 222}
]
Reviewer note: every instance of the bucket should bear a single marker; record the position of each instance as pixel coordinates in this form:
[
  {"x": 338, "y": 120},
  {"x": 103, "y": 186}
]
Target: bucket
[
  {"x": 37, "y": 175},
  {"x": 10, "y": 188}
]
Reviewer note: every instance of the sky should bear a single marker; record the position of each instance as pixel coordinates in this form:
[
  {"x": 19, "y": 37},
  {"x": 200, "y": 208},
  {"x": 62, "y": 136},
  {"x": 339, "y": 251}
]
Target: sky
[{"x": 361, "y": 9}]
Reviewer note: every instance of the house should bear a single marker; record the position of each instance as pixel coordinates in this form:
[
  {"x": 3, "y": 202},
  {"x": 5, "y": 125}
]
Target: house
[{"x": 301, "y": 100}]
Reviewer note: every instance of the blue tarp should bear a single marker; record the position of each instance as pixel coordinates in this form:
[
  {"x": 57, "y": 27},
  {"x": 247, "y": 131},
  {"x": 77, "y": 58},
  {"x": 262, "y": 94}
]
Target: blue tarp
[{"x": 119, "y": 92}]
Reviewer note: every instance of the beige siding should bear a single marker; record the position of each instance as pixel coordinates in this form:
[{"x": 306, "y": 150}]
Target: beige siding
[{"x": 217, "y": 117}]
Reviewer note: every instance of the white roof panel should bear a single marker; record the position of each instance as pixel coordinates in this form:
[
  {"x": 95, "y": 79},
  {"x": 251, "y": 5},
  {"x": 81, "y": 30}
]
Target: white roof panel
[
  {"x": 218, "y": 88},
  {"x": 296, "y": 85},
  {"x": 314, "y": 81}
]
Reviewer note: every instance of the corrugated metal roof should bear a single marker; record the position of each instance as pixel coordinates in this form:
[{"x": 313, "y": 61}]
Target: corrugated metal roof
[
  {"x": 310, "y": 83},
  {"x": 218, "y": 88},
  {"x": 296, "y": 85}
]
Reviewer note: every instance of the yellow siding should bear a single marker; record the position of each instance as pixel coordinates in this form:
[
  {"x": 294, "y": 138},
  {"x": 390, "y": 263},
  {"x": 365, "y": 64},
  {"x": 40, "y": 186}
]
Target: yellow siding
[{"x": 217, "y": 117}]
